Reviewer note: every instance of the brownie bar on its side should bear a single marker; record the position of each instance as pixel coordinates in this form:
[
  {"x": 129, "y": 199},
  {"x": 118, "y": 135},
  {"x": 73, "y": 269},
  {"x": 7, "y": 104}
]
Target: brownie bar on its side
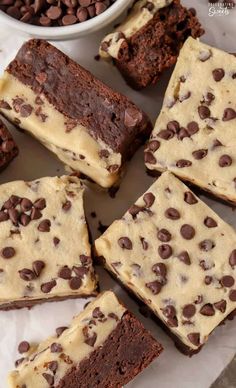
[
  {"x": 90, "y": 127},
  {"x": 8, "y": 147},
  {"x": 143, "y": 54},
  {"x": 104, "y": 347},
  {"x": 174, "y": 253}
]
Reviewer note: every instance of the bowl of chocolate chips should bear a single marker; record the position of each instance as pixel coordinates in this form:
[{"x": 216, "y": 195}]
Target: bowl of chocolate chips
[{"x": 60, "y": 19}]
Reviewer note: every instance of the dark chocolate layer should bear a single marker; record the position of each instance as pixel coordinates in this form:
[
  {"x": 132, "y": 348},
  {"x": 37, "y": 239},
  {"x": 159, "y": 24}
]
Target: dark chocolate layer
[
  {"x": 77, "y": 94},
  {"x": 155, "y": 47},
  {"x": 8, "y": 147},
  {"x": 126, "y": 352}
]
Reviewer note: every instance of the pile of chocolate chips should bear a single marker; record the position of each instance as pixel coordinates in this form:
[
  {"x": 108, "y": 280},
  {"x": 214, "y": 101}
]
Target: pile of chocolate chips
[{"x": 54, "y": 13}]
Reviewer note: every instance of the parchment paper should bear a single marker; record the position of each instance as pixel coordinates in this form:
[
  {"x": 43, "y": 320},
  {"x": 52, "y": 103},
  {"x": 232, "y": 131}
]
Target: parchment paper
[{"x": 172, "y": 369}]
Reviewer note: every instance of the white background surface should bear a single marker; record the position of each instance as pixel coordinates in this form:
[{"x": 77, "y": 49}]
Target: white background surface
[{"x": 172, "y": 369}]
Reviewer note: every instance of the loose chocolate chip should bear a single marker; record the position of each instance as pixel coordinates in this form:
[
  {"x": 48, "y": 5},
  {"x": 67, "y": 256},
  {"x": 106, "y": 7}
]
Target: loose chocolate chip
[
  {"x": 207, "y": 310},
  {"x": 183, "y": 163},
  {"x": 134, "y": 210},
  {"x": 221, "y": 305},
  {"x": 26, "y": 274},
  {"x": 232, "y": 258},
  {"x": 160, "y": 269},
  {"x": 199, "y": 154},
  {"x": 206, "y": 245},
  {"x": 189, "y": 310},
  {"x": 54, "y": 13},
  {"x": 190, "y": 198},
  {"x": 172, "y": 213},
  {"x": 60, "y": 330},
  {"x": 194, "y": 338},
  {"x": 45, "y": 21},
  {"x": 184, "y": 257},
  {"x": 3, "y": 216},
  {"x": 165, "y": 251},
  {"x": 225, "y": 161},
  {"x": 229, "y": 114},
  {"x": 164, "y": 235},
  {"x": 56, "y": 348},
  {"x": 125, "y": 243},
  {"x": 49, "y": 378},
  {"x": 132, "y": 117},
  {"x": 38, "y": 266},
  {"x": 192, "y": 128},
  {"x": 166, "y": 134},
  {"x": 204, "y": 112},
  {"x": 44, "y": 226},
  {"x": 14, "y": 216},
  {"x": 40, "y": 203},
  {"x": 232, "y": 295},
  {"x": 153, "y": 145},
  {"x": 23, "y": 347},
  {"x": 227, "y": 281},
  {"x": 208, "y": 280},
  {"x": 8, "y": 252},
  {"x": 218, "y": 74},
  {"x": 75, "y": 283},
  {"x": 66, "y": 206},
  {"x": 210, "y": 222},
  {"x": 47, "y": 287},
  {"x": 26, "y": 204},
  {"x": 155, "y": 287},
  {"x": 173, "y": 126},
  {"x": 149, "y": 199},
  {"x": 149, "y": 158},
  {"x": 187, "y": 231}
]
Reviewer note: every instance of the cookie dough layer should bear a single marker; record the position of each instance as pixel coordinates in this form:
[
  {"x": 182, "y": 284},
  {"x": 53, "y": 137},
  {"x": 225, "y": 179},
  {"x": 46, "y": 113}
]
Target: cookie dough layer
[
  {"x": 149, "y": 40},
  {"x": 105, "y": 346},
  {"x": 89, "y": 126},
  {"x": 197, "y": 121},
  {"x": 178, "y": 256},
  {"x": 40, "y": 258}
]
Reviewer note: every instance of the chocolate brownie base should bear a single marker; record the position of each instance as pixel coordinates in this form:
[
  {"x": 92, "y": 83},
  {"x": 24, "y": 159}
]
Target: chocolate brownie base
[
  {"x": 155, "y": 47},
  {"x": 125, "y": 353},
  {"x": 79, "y": 96},
  {"x": 8, "y": 147}
]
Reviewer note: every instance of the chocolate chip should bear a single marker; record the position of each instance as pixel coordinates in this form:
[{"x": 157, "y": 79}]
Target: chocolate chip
[
  {"x": 190, "y": 198},
  {"x": 155, "y": 287},
  {"x": 229, "y": 114},
  {"x": 44, "y": 226},
  {"x": 66, "y": 206},
  {"x": 80, "y": 271},
  {"x": 149, "y": 199},
  {"x": 166, "y": 134},
  {"x": 221, "y": 305},
  {"x": 204, "y": 112},
  {"x": 35, "y": 214},
  {"x": 113, "y": 168},
  {"x": 97, "y": 313},
  {"x": 192, "y": 128},
  {"x": 26, "y": 110},
  {"x": 164, "y": 235},
  {"x": 165, "y": 251},
  {"x": 189, "y": 310},
  {"x": 49, "y": 378},
  {"x": 56, "y": 348},
  {"x": 38, "y": 266},
  {"x": 210, "y": 222},
  {"x": 232, "y": 295},
  {"x": 144, "y": 243},
  {"x": 184, "y": 257},
  {"x": 14, "y": 216},
  {"x": 217, "y": 143},
  {"x": 227, "y": 281},
  {"x": 113, "y": 316},
  {"x": 173, "y": 126},
  {"x": 91, "y": 339},
  {"x": 8, "y": 252},
  {"x": 56, "y": 241},
  {"x": 172, "y": 213},
  {"x": 125, "y": 243},
  {"x": 199, "y": 154},
  {"x": 232, "y": 258},
  {"x": 225, "y": 161},
  {"x": 134, "y": 210},
  {"x": 85, "y": 260},
  {"x": 59, "y": 331},
  {"x": 153, "y": 145},
  {"x": 218, "y": 74},
  {"x": 208, "y": 98},
  {"x": 26, "y": 274},
  {"x": 199, "y": 299},
  {"x": 160, "y": 269},
  {"x": 187, "y": 231},
  {"x": 24, "y": 219},
  {"x": 149, "y": 158},
  {"x": 64, "y": 272},
  {"x": 19, "y": 361},
  {"x": 75, "y": 283},
  {"x": 132, "y": 117},
  {"x": 26, "y": 204},
  {"x": 40, "y": 203},
  {"x": 183, "y": 163},
  {"x": 183, "y": 133},
  {"x": 206, "y": 245},
  {"x": 3, "y": 216},
  {"x": 170, "y": 313},
  {"x": 47, "y": 287},
  {"x": 207, "y": 310},
  {"x": 194, "y": 338},
  {"x": 23, "y": 347},
  {"x": 208, "y": 280},
  {"x": 5, "y": 105}
]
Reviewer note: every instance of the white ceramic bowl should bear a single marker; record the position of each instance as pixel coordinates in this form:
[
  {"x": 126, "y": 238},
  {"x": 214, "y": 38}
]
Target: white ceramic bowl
[{"x": 68, "y": 32}]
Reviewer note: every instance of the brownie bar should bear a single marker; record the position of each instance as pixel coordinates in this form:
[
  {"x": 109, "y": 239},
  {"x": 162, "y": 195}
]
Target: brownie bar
[
  {"x": 149, "y": 40},
  {"x": 86, "y": 124},
  {"x": 104, "y": 347},
  {"x": 197, "y": 122},
  {"x": 40, "y": 258},
  {"x": 179, "y": 257},
  {"x": 8, "y": 147}
]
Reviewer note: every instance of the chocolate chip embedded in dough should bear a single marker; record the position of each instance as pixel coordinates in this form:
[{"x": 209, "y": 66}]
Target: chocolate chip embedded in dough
[
  {"x": 153, "y": 145},
  {"x": 166, "y": 134},
  {"x": 160, "y": 269},
  {"x": 60, "y": 330},
  {"x": 216, "y": 143},
  {"x": 221, "y": 305},
  {"x": 208, "y": 98},
  {"x": 207, "y": 310},
  {"x": 75, "y": 283},
  {"x": 204, "y": 112},
  {"x": 5, "y": 105},
  {"x": 26, "y": 110},
  {"x": 56, "y": 348},
  {"x": 49, "y": 378},
  {"x": 184, "y": 257},
  {"x": 38, "y": 266},
  {"x": 189, "y": 310},
  {"x": 134, "y": 210},
  {"x": 173, "y": 126},
  {"x": 183, "y": 133},
  {"x": 65, "y": 273},
  {"x": 232, "y": 295},
  {"x": 227, "y": 281},
  {"x": 26, "y": 204},
  {"x": 44, "y": 226},
  {"x": 192, "y": 128},
  {"x": 91, "y": 339},
  {"x": 172, "y": 213},
  {"x": 194, "y": 338},
  {"x": 187, "y": 231},
  {"x": 206, "y": 245},
  {"x": 225, "y": 161},
  {"x": 229, "y": 114},
  {"x": 208, "y": 280},
  {"x": 14, "y": 216},
  {"x": 232, "y": 259},
  {"x": 8, "y": 252},
  {"x": 27, "y": 274},
  {"x": 190, "y": 198},
  {"x": 149, "y": 199},
  {"x": 35, "y": 214},
  {"x": 56, "y": 241},
  {"x": 125, "y": 243},
  {"x": 170, "y": 313},
  {"x": 149, "y": 158},
  {"x": 47, "y": 287},
  {"x": 165, "y": 251},
  {"x": 155, "y": 287},
  {"x": 218, "y": 74},
  {"x": 40, "y": 203},
  {"x": 164, "y": 235},
  {"x": 3, "y": 216},
  {"x": 23, "y": 347},
  {"x": 200, "y": 154},
  {"x": 210, "y": 222},
  {"x": 66, "y": 206},
  {"x": 80, "y": 271},
  {"x": 144, "y": 243},
  {"x": 183, "y": 163}
]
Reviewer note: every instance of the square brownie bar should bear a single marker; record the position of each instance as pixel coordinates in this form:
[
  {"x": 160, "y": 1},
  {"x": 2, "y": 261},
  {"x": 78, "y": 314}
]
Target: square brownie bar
[
  {"x": 179, "y": 257},
  {"x": 149, "y": 40},
  {"x": 8, "y": 147},
  {"x": 104, "y": 347},
  {"x": 90, "y": 127},
  {"x": 197, "y": 121},
  {"x": 40, "y": 257}
]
